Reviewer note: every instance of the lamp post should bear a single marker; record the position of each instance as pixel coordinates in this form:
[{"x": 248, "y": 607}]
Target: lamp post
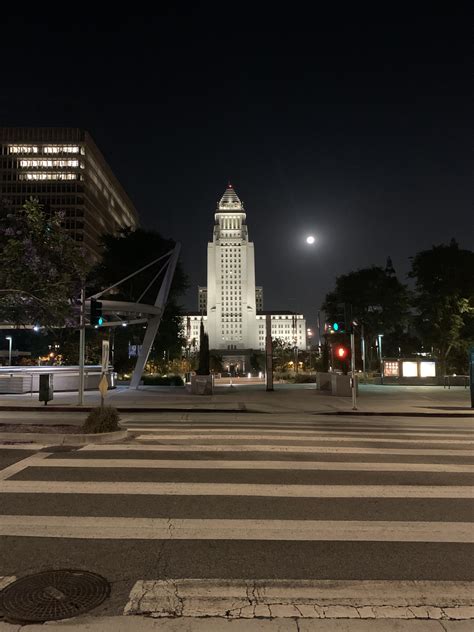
[
  {"x": 10, "y": 343},
  {"x": 309, "y": 333},
  {"x": 380, "y": 336}
]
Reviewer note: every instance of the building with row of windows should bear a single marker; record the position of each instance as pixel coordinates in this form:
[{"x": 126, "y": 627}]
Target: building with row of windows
[
  {"x": 66, "y": 171},
  {"x": 231, "y": 305}
]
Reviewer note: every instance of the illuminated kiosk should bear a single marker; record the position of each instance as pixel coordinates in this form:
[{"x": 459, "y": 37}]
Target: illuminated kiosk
[
  {"x": 410, "y": 371},
  {"x": 16, "y": 380}
]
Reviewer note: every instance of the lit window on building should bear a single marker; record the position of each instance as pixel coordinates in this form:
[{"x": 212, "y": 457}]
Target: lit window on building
[
  {"x": 44, "y": 162},
  {"x": 60, "y": 149},
  {"x": 391, "y": 369},
  {"x": 48, "y": 176},
  {"x": 23, "y": 149}
]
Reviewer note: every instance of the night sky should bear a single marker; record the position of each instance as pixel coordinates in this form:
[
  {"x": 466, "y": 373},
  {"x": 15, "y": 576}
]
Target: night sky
[{"x": 353, "y": 127}]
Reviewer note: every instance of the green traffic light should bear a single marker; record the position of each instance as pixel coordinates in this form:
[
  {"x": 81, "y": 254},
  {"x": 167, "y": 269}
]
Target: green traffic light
[
  {"x": 100, "y": 321},
  {"x": 335, "y": 326}
]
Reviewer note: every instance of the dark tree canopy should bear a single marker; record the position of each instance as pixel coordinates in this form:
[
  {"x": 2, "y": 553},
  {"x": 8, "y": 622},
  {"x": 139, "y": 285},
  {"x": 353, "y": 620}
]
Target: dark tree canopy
[
  {"x": 127, "y": 252},
  {"x": 41, "y": 268},
  {"x": 444, "y": 298},
  {"x": 373, "y": 296}
]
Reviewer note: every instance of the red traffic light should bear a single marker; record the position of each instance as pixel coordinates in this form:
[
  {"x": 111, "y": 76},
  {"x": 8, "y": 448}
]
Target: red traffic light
[{"x": 341, "y": 352}]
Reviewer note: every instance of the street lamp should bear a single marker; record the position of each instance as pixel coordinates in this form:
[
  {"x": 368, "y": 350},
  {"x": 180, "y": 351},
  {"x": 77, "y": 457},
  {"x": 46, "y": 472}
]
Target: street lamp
[
  {"x": 309, "y": 333},
  {"x": 310, "y": 239},
  {"x": 10, "y": 343},
  {"x": 380, "y": 336}
]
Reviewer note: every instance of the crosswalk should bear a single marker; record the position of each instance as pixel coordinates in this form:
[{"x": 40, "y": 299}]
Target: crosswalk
[{"x": 307, "y": 509}]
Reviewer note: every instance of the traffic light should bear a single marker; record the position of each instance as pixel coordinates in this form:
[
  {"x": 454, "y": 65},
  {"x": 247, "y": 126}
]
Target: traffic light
[
  {"x": 339, "y": 323},
  {"x": 96, "y": 313},
  {"x": 342, "y": 352}
]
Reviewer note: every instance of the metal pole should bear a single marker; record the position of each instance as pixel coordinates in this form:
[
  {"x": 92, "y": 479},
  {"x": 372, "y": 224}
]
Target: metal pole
[
  {"x": 353, "y": 373},
  {"x": 381, "y": 361},
  {"x": 82, "y": 346},
  {"x": 319, "y": 332},
  {"x": 10, "y": 345},
  {"x": 362, "y": 342},
  {"x": 268, "y": 354}
]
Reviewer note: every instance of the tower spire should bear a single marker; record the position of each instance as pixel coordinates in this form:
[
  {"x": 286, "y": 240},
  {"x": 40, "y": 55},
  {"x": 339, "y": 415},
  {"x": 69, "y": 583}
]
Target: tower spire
[{"x": 230, "y": 201}]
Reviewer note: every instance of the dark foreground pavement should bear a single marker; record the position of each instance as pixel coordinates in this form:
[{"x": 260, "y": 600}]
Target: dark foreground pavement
[{"x": 402, "y": 488}]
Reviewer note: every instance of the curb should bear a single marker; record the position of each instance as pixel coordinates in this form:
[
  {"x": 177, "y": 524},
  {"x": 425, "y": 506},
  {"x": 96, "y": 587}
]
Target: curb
[
  {"x": 355, "y": 413},
  {"x": 239, "y": 409},
  {"x": 64, "y": 439},
  {"x": 124, "y": 409}
]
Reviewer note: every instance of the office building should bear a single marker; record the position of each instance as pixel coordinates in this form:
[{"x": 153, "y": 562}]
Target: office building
[
  {"x": 231, "y": 306},
  {"x": 66, "y": 171}
]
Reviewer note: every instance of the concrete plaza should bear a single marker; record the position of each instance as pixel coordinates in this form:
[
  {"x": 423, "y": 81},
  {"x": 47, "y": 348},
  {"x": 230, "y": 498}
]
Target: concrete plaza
[{"x": 246, "y": 396}]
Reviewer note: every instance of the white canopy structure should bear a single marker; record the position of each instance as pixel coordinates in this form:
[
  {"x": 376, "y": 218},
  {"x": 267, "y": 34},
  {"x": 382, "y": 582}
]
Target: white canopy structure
[{"x": 120, "y": 312}]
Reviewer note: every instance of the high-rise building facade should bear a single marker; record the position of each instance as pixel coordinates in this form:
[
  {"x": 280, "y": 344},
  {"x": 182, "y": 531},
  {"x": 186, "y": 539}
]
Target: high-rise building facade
[
  {"x": 66, "y": 171},
  {"x": 231, "y": 306},
  {"x": 231, "y": 299}
]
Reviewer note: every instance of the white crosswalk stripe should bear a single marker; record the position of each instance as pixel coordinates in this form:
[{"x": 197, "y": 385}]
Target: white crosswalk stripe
[
  {"x": 256, "y": 465},
  {"x": 325, "y": 467}
]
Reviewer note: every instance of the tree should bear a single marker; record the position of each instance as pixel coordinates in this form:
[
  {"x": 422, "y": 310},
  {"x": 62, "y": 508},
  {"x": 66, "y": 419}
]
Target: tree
[
  {"x": 376, "y": 299},
  {"x": 283, "y": 354},
  {"x": 257, "y": 361},
  {"x": 124, "y": 254},
  {"x": 41, "y": 268},
  {"x": 444, "y": 299},
  {"x": 203, "y": 368}
]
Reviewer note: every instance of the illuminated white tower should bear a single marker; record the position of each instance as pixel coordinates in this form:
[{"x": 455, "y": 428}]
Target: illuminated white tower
[{"x": 231, "y": 308}]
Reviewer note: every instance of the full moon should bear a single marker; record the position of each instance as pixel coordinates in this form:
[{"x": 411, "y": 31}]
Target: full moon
[{"x": 310, "y": 239}]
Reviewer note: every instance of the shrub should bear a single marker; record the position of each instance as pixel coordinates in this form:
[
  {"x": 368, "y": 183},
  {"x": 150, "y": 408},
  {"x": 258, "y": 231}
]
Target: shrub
[
  {"x": 160, "y": 380},
  {"x": 280, "y": 375},
  {"x": 305, "y": 378},
  {"x": 101, "y": 419}
]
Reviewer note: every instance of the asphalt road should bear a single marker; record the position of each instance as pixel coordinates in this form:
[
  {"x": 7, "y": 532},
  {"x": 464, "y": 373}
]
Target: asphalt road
[{"x": 391, "y": 476}]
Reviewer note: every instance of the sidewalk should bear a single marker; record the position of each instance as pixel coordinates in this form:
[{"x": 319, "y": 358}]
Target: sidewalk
[
  {"x": 218, "y": 624},
  {"x": 252, "y": 398}
]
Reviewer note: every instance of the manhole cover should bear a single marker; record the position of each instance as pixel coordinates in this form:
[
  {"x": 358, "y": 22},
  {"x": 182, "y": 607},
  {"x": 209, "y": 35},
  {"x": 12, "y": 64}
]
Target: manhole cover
[{"x": 53, "y": 595}]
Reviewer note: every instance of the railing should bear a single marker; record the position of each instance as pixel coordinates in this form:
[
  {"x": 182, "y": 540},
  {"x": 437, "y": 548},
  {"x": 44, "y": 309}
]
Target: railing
[{"x": 449, "y": 378}]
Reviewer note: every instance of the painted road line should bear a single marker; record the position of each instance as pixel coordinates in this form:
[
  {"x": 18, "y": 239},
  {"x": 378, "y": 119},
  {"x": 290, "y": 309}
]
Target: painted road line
[
  {"x": 254, "y": 465},
  {"x": 22, "y": 465},
  {"x": 22, "y": 446},
  {"x": 150, "y": 427},
  {"x": 256, "y": 437},
  {"x": 237, "y": 489},
  {"x": 296, "y": 432},
  {"x": 117, "y": 528},
  {"x": 300, "y": 598},
  {"x": 92, "y": 447}
]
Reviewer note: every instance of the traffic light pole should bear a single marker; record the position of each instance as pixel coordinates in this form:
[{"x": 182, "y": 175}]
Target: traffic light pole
[
  {"x": 82, "y": 346},
  {"x": 362, "y": 342},
  {"x": 353, "y": 373}
]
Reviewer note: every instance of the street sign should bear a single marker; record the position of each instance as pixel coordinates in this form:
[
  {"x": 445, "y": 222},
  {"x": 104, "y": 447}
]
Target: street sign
[{"x": 103, "y": 387}]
